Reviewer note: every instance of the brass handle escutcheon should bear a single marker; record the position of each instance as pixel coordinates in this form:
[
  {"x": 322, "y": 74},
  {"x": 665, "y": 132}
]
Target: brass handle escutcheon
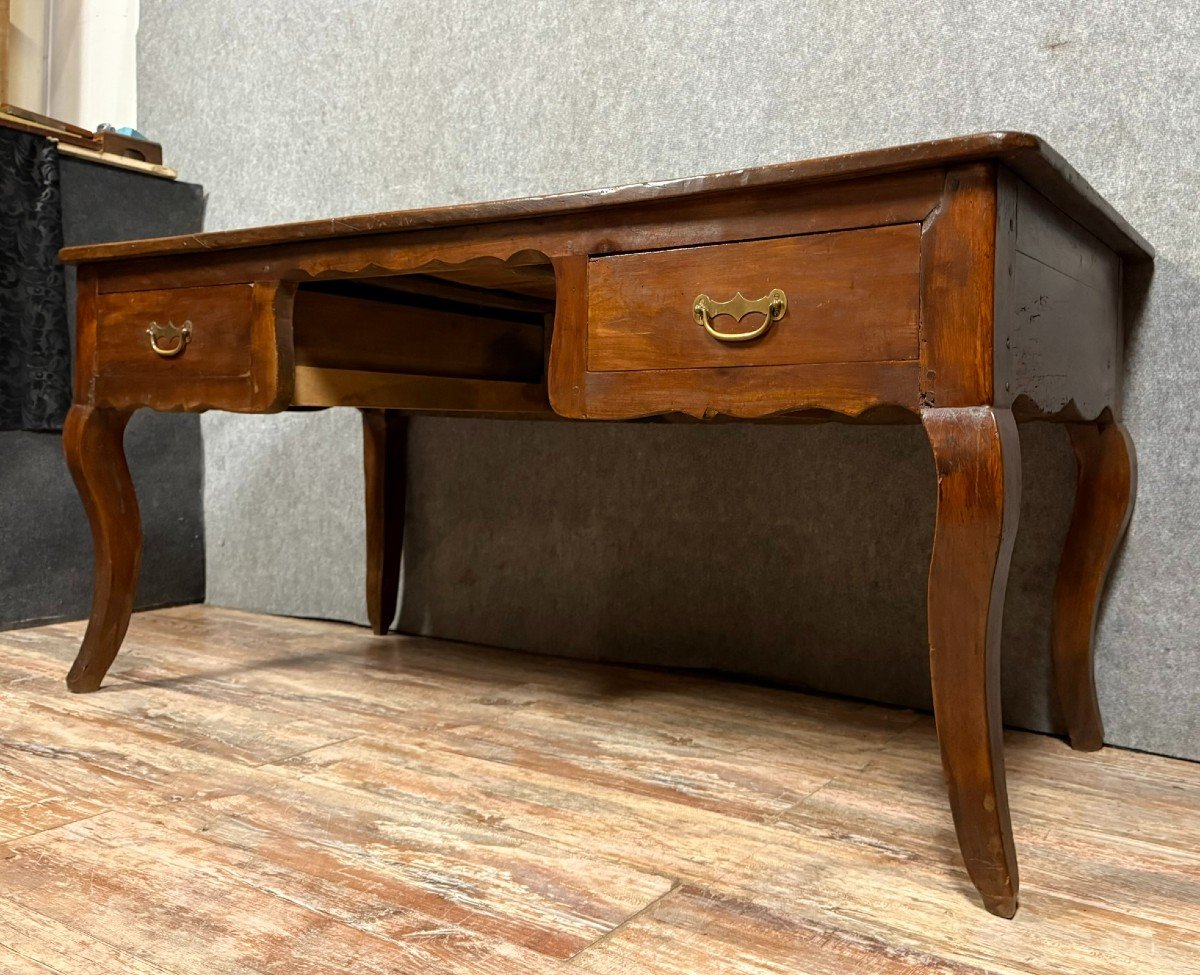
[
  {"x": 772, "y": 308},
  {"x": 180, "y": 335}
]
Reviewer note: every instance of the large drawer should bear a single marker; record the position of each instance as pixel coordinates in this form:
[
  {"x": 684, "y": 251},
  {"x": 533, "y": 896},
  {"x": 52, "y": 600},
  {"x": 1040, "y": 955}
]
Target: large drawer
[{"x": 851, "y": 296}]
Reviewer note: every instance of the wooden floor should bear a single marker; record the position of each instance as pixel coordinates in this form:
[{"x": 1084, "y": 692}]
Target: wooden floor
[{"x": 253, "y": 794}]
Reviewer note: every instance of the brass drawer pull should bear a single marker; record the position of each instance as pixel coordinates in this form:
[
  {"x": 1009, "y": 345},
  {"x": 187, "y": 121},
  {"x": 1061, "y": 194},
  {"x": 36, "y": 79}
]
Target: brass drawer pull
[
  {"x": 772, "y": 308},
  {"x": 171, "y": 333}
]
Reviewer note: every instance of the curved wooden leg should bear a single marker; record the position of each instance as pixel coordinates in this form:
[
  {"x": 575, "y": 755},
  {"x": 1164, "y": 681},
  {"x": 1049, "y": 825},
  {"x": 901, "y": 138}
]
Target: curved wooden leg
[
  {"x": 385, "y": 448},
  {"x": 978, "y": 460},
  {"x": 94, "y": 442},
  {"x": 1103, "y": 503}
]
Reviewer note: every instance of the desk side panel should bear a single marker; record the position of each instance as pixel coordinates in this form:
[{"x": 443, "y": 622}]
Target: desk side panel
[{"x": 1058, "y": 310}]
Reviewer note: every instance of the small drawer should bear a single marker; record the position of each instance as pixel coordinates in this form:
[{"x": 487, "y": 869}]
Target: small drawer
[
  {"x": 199, "y": 332},
  {"x": 188, "y": 348},
  {"x": 849, "y": 296}
]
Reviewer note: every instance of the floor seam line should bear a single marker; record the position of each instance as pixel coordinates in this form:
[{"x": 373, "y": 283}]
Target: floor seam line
[
  {"x": 35, "y": 961},
  {"x": 278, "y": 762},
  {"x": 50, "y": 829},
  {"x": 676, "y": 885}
]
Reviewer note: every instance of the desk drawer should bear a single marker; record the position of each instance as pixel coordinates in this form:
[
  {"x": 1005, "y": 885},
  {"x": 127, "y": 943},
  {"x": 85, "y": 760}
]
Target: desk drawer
[
  {"x": 188, "y": 348},
  {"x": 216, "y": 343},
  {"x": 851, "y": 296}
]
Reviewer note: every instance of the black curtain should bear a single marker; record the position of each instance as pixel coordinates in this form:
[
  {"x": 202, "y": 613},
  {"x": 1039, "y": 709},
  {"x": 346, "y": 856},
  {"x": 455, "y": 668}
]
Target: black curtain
[{"x": 35, "y": 343}]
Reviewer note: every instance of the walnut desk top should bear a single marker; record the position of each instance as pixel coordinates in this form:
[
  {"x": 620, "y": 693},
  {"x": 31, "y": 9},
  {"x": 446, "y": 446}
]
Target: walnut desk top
[{"x": 965, "y": 284}]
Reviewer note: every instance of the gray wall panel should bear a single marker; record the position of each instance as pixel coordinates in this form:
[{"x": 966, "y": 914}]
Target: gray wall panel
[{"x": 628, "y": 542}]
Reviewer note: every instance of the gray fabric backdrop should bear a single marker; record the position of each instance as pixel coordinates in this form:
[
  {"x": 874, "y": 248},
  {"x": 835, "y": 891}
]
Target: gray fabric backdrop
[{"x": 794, "y": 553}]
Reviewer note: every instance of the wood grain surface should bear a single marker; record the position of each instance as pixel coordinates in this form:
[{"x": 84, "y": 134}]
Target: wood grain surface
[
  {"x": 339, "y": 331},
  {"x": 218, "y": 348},
  {"x": 851, "y": 297},
  {"x": 1104, "y": 496},
  {"x": 385, "y": 476},
  {"x": 260, "y": 795},
  {"x": 1059, "y": 345},
  {"x": 957, "y": 291},
  {"x": 94, "y": 447},
  {"x": 1029, "y": 156},
  {"x": 239, "y": 356},
  {"x": 978, "y": 459}
]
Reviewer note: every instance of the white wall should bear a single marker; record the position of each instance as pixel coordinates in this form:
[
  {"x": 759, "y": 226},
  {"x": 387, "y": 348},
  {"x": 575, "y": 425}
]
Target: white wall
[
  {"x": 27, "y": 52},
  {"x": 75, "y": 60},
  {"x": 92, "y": 74}
]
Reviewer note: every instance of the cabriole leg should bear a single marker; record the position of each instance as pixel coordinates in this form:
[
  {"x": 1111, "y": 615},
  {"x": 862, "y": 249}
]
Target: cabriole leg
[
  {"x": 978, "y": 459},
  {"x": 94, "y": 442},
  {"x": 1103, "y": 503}
]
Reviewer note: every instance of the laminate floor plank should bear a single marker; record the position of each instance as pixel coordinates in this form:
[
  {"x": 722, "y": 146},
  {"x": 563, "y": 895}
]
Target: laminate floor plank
[
  {"x": 38, "y": 653},
  {"x": 904, "y": 903},
  {"x": 657, "y": 835},
  {"x": 372, "y": 677},
  {"x": 250, "y": 794},
  {"x": 12, "y": 963},
  {"x": 1075, "y": 841},
  {"x": 355, "y": 854},
  {"x": 62, "y": 949},
  {"x": 363, "y": 682},
  {"x": 190, "y": 905},
  {"x": 874, "y": 852},
  {"x": 858, "y": 866},
  {"x": 695, "y": 930},
  {"x": 63, "y": 759}
]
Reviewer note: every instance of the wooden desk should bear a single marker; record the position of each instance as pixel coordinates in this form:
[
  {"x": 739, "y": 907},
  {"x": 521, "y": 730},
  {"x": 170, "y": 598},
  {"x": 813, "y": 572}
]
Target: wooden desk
[{"x": 965, "y": 284}]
